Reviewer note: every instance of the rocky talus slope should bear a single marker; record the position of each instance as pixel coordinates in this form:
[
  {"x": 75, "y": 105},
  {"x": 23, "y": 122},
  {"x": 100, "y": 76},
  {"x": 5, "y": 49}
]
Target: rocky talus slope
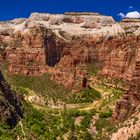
[
  {"x": 64, "y": 44},
  {"x": 130, "y": 128}
]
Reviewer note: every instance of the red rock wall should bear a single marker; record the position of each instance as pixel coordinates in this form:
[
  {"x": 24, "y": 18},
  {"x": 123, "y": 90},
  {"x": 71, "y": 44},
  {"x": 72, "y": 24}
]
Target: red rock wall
[
  {"x": 39, "y": 50},
  {"x": 131, "y": 99},
  {"x": 120, "y": 62}
]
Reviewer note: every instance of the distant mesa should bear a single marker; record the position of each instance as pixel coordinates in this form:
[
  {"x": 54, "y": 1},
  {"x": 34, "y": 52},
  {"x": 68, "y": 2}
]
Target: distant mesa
[
  {"x": 82, "y": 13},
  {"x": 130, "y": 20}
]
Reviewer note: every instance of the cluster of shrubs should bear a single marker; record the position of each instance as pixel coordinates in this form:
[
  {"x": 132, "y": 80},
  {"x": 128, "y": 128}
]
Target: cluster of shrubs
[
  {"x": 106, "y": 113},
  {"x": 44, "y": 86},
  {"x": 85, "y": 96},
  {"x": 39, "y": 84},
  {"x": 54, "y": 123}
]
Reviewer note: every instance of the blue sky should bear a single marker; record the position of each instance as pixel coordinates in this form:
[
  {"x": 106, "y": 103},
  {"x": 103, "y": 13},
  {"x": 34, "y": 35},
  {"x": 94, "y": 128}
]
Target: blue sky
[{"x": 10, "y": 9}]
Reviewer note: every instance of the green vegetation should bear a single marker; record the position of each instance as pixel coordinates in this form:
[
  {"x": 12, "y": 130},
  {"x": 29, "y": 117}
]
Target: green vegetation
[
  {"x": 5, "y": 133},
  {"x": 109, "y": 96},
  {"x": 42, "y": 85},
  {"x": 92, "y": 69},
  {"x": 106, "y": 114},
  {"x": 53, "y": 123},
  {"x": 41, "y": 121},
  {"x": 112, "y": 97},
  {"x": 85, "y": 96},
  {"x": 105, "y": 125}
]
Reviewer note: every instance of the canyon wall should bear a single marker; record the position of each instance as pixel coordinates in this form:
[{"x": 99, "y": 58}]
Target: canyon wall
[
  {"x": 62, "y": 45},
  {"x": 58, "y": 44},
  {"x": 10, "y": 105}
]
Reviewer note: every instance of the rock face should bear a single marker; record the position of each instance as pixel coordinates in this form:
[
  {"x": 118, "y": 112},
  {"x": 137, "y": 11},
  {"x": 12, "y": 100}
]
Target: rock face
[
  {"x": 57, "y": 44},
  {"x": 131, "y": 98},
  {"x": 63, "y": 44},
  {"x": 131, "y": 26},
  {"x": 121, "y": 61},
  {"x": 10, "y": 111},
  {"x": 130, "y": 127}
]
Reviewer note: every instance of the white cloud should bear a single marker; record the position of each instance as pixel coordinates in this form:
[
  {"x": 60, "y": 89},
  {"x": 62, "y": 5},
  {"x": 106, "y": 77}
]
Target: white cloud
[
  {"x": 122, "y": 15},
  {"x": 134, "y": 14},
  {"x": 130, "y": 7}
]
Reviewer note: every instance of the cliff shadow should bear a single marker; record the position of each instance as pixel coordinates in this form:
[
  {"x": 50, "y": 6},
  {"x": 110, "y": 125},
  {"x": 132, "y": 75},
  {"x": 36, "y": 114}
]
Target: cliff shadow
[{"x": 51, "y": 52}]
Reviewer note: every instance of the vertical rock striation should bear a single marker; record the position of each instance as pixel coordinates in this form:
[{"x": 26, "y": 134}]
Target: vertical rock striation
[{"x": 10, "y": 111}]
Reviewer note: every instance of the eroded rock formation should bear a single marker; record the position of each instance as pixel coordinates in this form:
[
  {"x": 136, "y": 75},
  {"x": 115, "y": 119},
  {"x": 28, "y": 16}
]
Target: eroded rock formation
[
  {"x": 57, "y": 44},
  {"x": 131, "y": 99},
  {"x": 10, "y": 106},
  {"x": 63, "y": 44}
]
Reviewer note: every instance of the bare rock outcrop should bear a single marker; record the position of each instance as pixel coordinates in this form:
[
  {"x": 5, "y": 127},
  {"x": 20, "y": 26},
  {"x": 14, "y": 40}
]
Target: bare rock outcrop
[
  {"x": 10, "y": 105},
  {"x": 130, "y": 127},
  {"x": 57, "y": 44},
  {"x": 131, "y": 99},
  {"x": 131, "y": 26}
]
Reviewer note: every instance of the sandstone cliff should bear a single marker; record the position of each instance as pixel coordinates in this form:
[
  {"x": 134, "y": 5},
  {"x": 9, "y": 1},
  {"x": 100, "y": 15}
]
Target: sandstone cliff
[
  {"x": 63, "y": 44},
  {"x": 57, "y": 44}
]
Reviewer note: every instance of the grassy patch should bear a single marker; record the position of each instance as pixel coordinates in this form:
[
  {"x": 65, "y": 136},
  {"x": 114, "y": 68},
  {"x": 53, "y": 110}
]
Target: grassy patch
[
  {"x": 106, "y": 113},
  {"x": 5, "y": 133},
  {"x": 85, "y": 96},
  {"x": 41, "y": 85},
  {"x": 115, "y": 95}
]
